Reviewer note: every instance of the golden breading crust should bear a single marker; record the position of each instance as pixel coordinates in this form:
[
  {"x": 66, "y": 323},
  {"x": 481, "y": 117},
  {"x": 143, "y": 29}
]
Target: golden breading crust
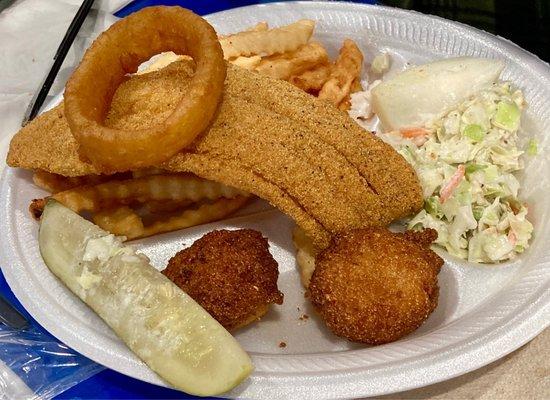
[
  {"x": 375, "y": 286},
  {"x": 269, "y": 138},
  {"x": 231, "y": 274},
  {"x": 46, "y": 143}
]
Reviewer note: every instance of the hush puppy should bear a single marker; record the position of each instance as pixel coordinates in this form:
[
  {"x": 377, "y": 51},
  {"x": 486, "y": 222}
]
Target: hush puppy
[
  {"x": 231, "y": 274},
  {"x": 375, "y": 286}
]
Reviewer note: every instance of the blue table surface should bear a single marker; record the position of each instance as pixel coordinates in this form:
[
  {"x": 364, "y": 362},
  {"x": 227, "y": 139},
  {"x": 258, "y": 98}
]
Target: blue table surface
[{"x": 109, "y": 384}]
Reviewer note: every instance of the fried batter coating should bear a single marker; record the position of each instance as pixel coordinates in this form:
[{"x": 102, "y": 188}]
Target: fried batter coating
[
  {"x": 231, "y": 274},
  {"x": 268, "y": 138},
  {"x": 375, "y": 286}
]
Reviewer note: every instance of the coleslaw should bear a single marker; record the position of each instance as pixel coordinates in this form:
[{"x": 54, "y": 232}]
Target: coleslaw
[{"x": 466, "y": 161}]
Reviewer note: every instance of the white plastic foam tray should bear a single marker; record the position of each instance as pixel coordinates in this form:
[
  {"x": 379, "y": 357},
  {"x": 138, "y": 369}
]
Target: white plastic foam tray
[{"x": 484, "y": 312}]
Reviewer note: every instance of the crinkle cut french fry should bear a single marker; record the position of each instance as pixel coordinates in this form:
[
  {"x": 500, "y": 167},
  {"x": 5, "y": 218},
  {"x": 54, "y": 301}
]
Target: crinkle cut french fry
[
  {"x": 312, "y": 80},
  {"x": 346, "y": 69},
  {"x": 36, "y": 207},
  {"x": 259, "y": 27},
  {"x": 142, "y": 190},
  {"x": 124, "y": 221},
  {"x": 346, "y": 103},
  {"x": 283, "y": 66},
  {"x": 163, "y": 206},
  {"x": 264, "y": 43},
  {"x": 54, "y": 183},
  {"x": 306, "y": 252},
  {"x": 140, "y": 173},
  {"x": 202, "y": 215},
  {"x": 121, "y": 221},
  {"x": 174, "y": 187},
  {"x": 356, "y": 85}
]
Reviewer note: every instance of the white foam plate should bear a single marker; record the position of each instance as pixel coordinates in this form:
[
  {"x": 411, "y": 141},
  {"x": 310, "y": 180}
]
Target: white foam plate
[{"x": 484, "y": 312}]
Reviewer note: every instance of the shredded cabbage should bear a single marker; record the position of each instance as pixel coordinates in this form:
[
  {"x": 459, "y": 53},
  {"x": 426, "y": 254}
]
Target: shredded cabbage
[{"x": 477, "y": 214}]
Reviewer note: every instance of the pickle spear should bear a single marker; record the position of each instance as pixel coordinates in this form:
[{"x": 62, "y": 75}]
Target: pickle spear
[{"x": 159, "y": 322}]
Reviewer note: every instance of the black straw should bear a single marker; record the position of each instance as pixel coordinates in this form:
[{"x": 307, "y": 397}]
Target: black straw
[{"x": 60, "y": 55}]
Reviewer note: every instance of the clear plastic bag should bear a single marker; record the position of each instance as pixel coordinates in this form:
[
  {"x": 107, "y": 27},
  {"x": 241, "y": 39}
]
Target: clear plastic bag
[{"x": 34, "y": 364}]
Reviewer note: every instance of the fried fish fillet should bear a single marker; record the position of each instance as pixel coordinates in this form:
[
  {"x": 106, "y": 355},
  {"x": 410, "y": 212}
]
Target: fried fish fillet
[{"x": 301, "y": 154}]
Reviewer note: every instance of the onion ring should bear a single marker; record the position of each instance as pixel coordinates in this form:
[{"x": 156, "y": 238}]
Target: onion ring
[{"x": 119, "y": 51}]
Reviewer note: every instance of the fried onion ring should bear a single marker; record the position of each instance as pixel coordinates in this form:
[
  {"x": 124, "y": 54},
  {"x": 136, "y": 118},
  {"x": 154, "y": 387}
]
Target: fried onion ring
[{"x": 118, "y": 52}]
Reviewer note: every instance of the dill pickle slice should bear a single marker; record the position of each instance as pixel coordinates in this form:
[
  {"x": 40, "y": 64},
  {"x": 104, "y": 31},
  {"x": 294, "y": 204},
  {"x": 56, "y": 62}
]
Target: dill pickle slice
[{"x": 159, "y": 322}]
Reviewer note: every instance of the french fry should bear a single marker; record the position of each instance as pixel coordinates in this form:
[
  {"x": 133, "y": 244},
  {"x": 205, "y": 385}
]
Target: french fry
[
  {"x": 356, "y": 85},
  {"x": 124, "y": 221},
  {"x": 345, "y": 71},
  {"x": 109, "y": 202},
  {"x": 55, "y": 183},
  {"x": 247, "y": 62},
  {"x": 98, "y": 197},
  {"x": 140, "y": 173},
  {"x": 264, "y": 43},
  {"x": 36, "y": 207},
  {"x": 259, "y": 27},
  {"x": 121, "y": 221},
  {"x": 165, "y": 206},
  {"x": 305, "y": 255},
  {"x": 283, "y": 66},
  {"x": 346, "y": 103},
  {"x": 205, "y": 213},
  {"x": 312, "y": 80}
]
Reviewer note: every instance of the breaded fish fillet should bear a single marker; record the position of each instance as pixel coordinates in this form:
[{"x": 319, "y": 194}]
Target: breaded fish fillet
[{"x": 301, "y": 154}]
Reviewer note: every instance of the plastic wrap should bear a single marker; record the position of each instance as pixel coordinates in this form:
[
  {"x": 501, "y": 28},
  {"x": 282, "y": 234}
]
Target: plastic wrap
[{"x": 35, "y": 365}]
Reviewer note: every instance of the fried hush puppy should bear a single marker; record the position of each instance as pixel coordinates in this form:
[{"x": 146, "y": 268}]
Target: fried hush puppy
[
  {"x": 375, "y": 286},
  {"x": 231, "y": 274}
]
